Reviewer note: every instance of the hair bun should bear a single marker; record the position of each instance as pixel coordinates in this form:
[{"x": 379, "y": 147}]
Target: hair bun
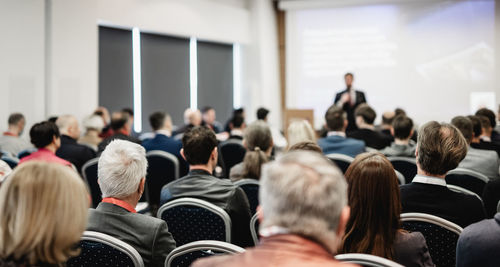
[{"x": 256, "y": 148}]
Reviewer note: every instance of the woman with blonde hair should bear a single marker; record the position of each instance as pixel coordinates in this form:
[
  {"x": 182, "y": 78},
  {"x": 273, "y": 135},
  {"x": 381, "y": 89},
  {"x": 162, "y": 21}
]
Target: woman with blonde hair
[
  {"x": 43, "y": 209},
  {"x": 300, "y": 131}
]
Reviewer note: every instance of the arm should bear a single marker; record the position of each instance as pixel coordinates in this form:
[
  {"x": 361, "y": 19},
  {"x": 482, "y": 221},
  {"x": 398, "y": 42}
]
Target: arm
[{"x": 163, "y": 244}]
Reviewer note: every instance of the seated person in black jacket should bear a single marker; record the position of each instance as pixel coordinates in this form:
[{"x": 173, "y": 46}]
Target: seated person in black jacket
[
  {"x": 200, "y": 151},
  {"x": 440, "y": 148},
  {"x": 121, "y": 124},
  {"x": 365, "y": 116}
]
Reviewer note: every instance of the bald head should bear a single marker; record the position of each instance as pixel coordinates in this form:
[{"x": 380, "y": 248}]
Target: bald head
[
  {"x": 68, "y": 125},
  {"x": 192, "y": 116}
]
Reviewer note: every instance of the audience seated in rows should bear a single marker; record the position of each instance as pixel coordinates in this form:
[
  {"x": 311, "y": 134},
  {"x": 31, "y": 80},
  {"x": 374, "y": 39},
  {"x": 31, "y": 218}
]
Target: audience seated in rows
[
  {"x": 365, "y": 117},
  {"x": 209, "y": 119},
  {"x": 121, "y": 125},
  {"x": 44, "y": 213},
  {"x": 279, "y": 140},
  {"x": 300, "y": 131},
  {"x": 93, "y": 126},
  {"x": 440, "y": 148},
  {"x": 489, "y": 134},
  {"x": 70, "y": 150},
  {"x": 479, "y": 244},
  {"x": 482, "y": 161},
  {"x": 303, "y": 214},
  {"x": 403, "y": 146},
  {"x": 47, "y": 139},
  {"x": 122, "y": 171},
  {"x": 258, "y": 142},
  {"x": 478, "y": 131},
  {"x": 307, "y": 146},
  {"x": 386, "y": 125},
  {"x": 374, "y": 226},
  {"x": 336, "y": 141},
  {"x": 10, "y": 141},
  {"x": 199, "y": 148},
  {"x": 192, "y": 118},
  {"x": 162, "y": 125}
]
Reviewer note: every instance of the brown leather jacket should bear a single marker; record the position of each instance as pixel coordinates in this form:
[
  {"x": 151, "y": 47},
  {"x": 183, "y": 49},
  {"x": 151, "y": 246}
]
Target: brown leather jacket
[{"x": 279, "y": 250}]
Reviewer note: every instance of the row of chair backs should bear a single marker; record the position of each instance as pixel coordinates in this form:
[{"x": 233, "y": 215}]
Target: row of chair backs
[
  {"x": 406, "y": 166},
  {"x": 186, "y": 254},
  {"x": 366, "y": 260},
  {"x": 191, "y": 219},
  {"x": 468, "y": 179},
  {"x": 440, "y": 235},
  {"x": 232, "y": 152}
]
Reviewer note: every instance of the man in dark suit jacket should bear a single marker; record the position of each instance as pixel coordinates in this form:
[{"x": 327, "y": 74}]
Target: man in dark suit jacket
[
  {"x": 121, "y": 191},
  {"x": 349, "y": 100},
  {"x": 477, "y": 128},
  {"x": 440, "y": 149},
  {"x": 200, "y": 150},
  {"x": 121, "y": 124},
  {"x": 365, "y": 117},
  {"x": 336, "y": 141},
  {"x": 162, "y": 125},
  {"x": 70, "y": 150}
]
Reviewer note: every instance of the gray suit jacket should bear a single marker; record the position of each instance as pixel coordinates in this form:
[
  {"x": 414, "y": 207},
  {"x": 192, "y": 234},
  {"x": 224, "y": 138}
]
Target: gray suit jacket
[
  {"x": 148, "y": 235},
  {"x": 482, "y": 161}
]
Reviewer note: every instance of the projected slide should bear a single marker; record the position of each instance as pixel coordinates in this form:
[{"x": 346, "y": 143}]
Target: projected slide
[{"x": 429, "y": 57}]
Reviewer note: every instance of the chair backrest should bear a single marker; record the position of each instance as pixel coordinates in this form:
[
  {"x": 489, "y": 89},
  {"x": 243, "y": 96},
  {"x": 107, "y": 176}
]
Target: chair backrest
[
  {"x": 498, "y": 206},
  {"x": 462, "y": 190},
  {"x": 441, "y": 235},
  {"x": 406, "y": 166},
  {"x": 366, "y": 260},
  {"x": 341, "y": 160},
  {"x": 163, "y": 168},
  {"x": 401, "y": 178},
  {"x": 186, "y": 254},
  {"x": 98, "y": 249},
  {"x": 89, "y": 173},
  {"x": 254, "y": 228},
  {"x": 232, "y": 152},
  {"x": 468, "y": 179},
  {"x": 191, "y": 219},
  {"x": 12, "y": 162},
  {"x": 251, "y": 189}
]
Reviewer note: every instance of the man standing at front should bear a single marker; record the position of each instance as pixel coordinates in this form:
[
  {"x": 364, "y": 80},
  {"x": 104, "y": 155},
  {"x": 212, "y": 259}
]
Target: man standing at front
[{"x": 349, "y": 100}]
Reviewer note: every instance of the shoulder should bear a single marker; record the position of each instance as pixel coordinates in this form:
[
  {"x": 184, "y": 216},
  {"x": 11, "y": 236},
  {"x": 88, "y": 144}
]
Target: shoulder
[
  {"x": 412, "y": 238},
  {"x": 354, "y": 141}
]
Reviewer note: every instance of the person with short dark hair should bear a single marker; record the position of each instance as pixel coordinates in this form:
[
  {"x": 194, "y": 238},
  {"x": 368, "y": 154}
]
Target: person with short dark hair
[
  {"x": 236, "y": 112},
  {"x": 403, "y": 146},
  {"x": 349, "y": 99},
  {"x": 336, "y": 140},
  {"x": 477, "y": 130},
  {"x": 262, "y": 113},
  {"x": 209, "y": 119},
  {"x": 121, "y": 125},
  {"x": 199, "y": 148},
  {"x": 440, "y": 148},
  {"x": 489, "y": 136},
  {"x": 161, "y": 123},
  {"x": 279, "y": 139},
  {"x": 365, "y": 117},
  {"x": 237, "y": 125},
  {"x": 46, "y": 138},
  {"x": 482, "y": 161},
  {"x": 11, "y": 141}
]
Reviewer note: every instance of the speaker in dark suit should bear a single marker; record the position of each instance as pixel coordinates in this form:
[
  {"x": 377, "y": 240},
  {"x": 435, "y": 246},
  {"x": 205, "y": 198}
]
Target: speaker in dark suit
[{"x": 349, "y": 99}]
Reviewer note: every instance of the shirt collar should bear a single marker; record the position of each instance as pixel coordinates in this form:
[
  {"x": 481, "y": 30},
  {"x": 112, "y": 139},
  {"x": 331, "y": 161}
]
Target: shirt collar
[
  {"x": 273, "y": 230},
  {"x": 429, "y": 180},
  {"x": 164, "y": 132},
  {"x": 237, "y": 132},
  {"x": 119, "y": 203},
  {"x": 336, "y": 133}
]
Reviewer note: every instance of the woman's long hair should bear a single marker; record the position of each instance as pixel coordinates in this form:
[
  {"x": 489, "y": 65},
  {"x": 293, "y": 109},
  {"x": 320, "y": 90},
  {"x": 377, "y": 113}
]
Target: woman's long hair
[
  {"x": 374, "y": 200},
  {"x": 258, "y": 140}
]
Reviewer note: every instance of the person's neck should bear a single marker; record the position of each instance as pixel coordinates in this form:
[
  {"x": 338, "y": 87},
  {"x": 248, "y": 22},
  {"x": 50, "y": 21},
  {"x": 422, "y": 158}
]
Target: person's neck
[
  {"x": 367, "y": 126},
  {"x": 203, "y": 167},
  {"x": 385, "y": 127},
  {"x": 401, "y": 141},
  {"x": 164, "y": 131},
  {"x": 51, "y": 147},
  {"x": 13, "y": 130},
  {"x": 476, "y": 140},
  {"x": 424, "y": 173},
  {"x": 91, "y": 132},
  {"x": 132, "y": 200}
]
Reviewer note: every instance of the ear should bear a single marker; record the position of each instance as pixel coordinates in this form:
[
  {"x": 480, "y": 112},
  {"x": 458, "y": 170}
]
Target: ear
[
  {"x": 392, "y": 132},
  {"x": 214, "y": 153},
  {"x": 260, "y": 214},
  {"x": 141, "y": 186},
  {"x": 413, "y": 131},
  {"x": 344, "y": 218},
  {"x": 416, "y": 152},
  {"x": 182, "y": 154},
  {"x": 346, "y": 123},
  {"x": 244, "y": 143}
]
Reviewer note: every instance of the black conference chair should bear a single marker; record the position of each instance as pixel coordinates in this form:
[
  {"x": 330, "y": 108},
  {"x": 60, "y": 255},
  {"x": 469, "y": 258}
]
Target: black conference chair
[
  {"x": 191, "y": 219},
  {"x": 12, "y": 162},
  {"x": 163, "y": 168},
  {"x": 186, "y": 254},
  {"x": 251, "y": 189},
  {"x": 232, "y": 152},
  {"x": 89, "y": 173},
  {"x": 441, "y": 235},
  {"x": 467, "y": 179},
  {"x": 254, "y": 228},
  {"x": 406, "y": 166},
  {"x": 342, "y": 161},
  {"x": 98, "y": 249}
]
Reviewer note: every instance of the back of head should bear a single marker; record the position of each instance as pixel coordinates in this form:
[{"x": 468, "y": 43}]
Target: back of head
[
  {"x": 198, "y": 144},
  {"x": 375, "y": 206},
  {"x": 366, "y": 112},
  {"x": 15, "y": 118},
  {"x": 262, "y": 113},
  {"x": 489, "y": 114},
  {"x": 476, "y": 125},
  {"x": 121, "y": 167},
  {"x": 335, "y": 118},
  {"x": 440, "y": 148},
  {"x": 258, "y": 140},
  {"x": 299, "y": 131},
  {"x": 237, "y": 121},
  {"x": 388, "y": 117},
  {"x": 464, "y": 125},
  {"x": 402, "y": 126},
  {"x": 399, "y": 111},
  {"x": 93, "y": 122},
  {"x": 129, "y": 111},
  {"x": 192, "y": 116},
  {"x": 42, "y": 134},
  {"x": 68, "y": 125},
  {"x": 157, "y": 120},
  {"x": 119, "y": 120},
  {"x": 44, "y": 213},
  {"x": 306, "y": 145},
  {"x": 485, "y": 122},
  {"x": 305, "y": 193}
]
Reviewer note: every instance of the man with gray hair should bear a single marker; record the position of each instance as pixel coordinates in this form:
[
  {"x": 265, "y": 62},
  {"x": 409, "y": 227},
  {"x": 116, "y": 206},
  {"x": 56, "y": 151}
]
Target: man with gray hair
[
  {"x": 440, "y": 148},
  {"x": 122, "y": 171},
  {"x": 70, "y": 150},
  {"x": 303, "y": 214},
  {"x": 11, "y": 141}
]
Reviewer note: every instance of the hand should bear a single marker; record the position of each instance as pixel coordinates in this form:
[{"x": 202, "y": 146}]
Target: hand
[{"x": 345, "y": 98}]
